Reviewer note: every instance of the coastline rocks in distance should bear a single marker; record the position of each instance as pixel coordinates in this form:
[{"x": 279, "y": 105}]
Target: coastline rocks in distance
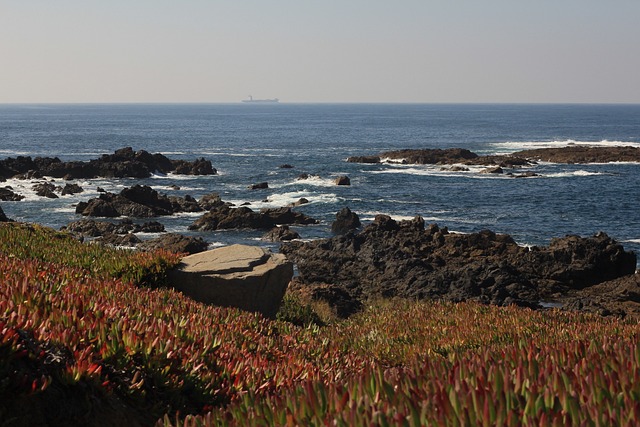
[
  {"x": 124, "y": 162},
  {"x": 439, "y": 156},
  {"x": 583, "y": 154},
  {"x": 246, "y": 277},
  {"x": 175, "y": 242},
  {"x": 92, "y": 228},
  {"x": 139, "y": 201},
  {"x": 405, "y": 259},
  {"x": 346, "y": 221},
  {"x": 364, "y": 159},
  {"x": 45, "y": 189}
]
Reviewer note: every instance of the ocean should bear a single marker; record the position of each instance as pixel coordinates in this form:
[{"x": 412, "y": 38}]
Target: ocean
[{"x": 247, "y": 144}]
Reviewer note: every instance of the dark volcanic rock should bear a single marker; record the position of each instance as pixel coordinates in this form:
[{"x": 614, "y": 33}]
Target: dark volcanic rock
[
  {"x": 619, "y": 297},
  {"x": 3, "y": 217},
  {"x": 93, "y": 228},
  {"x": 343, "y": 180},
  {"x": 259, "y": 186},
  {"x": 280, "y": 234},
  {"x": 364, "y": 159},
  {"x": 300, "y": 201},
  {"x": 175, "y": 242},
  {"x": 345, "y": 221},
  {"x": 197, "y": 167},
  {"x": 7, "y": 195},
  {"x": 210, "y": 201},
  {"x": 124, "y": 162},
  {"x": 287, "y": 216},
  {"x": 431, "y": 156},
  {"x": 139, "y": 201},
  {"x": 583, "y": 154},
  {"x": 224, "y": 217},
  {"x": 45, "y": 189},
  {"x": 390, "y": 258},
  {"x": 440, "y": 156},
  {"x": 286, "y": 166},
  {"x": 71, "y": 189}
]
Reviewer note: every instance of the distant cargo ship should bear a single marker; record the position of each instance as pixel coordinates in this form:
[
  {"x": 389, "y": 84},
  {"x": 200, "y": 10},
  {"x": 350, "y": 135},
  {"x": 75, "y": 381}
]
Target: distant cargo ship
[{"x": 260, "y": 101}]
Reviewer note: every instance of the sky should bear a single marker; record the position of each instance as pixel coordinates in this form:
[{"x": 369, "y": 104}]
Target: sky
[{"x": 395, "y": 51}]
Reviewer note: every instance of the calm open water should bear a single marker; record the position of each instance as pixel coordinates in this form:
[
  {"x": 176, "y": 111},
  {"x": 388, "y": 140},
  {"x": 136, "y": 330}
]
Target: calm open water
[{"x": 248, "y": 143}]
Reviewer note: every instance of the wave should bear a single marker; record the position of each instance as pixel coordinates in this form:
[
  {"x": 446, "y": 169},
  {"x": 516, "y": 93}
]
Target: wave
[
  {"x": 575, "y": 173},
  {"x": 513, "y": 146},
  {"x": 313, "y": 180},
  {"x": 473, "y": 172},
  {"x": 285, "y": 199}
]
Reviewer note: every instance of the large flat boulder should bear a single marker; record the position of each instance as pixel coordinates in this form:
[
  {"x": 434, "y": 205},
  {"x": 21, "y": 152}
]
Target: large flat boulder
[{"x": 247, "y": 277}]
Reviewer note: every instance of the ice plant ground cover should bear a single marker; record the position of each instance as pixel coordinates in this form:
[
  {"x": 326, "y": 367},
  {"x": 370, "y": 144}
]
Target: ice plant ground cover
[{"x": 89, "y": 336}]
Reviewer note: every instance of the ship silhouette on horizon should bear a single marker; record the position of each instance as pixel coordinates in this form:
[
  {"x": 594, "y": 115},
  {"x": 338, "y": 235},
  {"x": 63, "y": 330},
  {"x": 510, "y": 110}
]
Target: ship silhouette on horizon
[{"x": 260, "y": 101}]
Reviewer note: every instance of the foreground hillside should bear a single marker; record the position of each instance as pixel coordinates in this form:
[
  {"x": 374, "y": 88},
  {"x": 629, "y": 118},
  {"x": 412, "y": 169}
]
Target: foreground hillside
[{"x": 88, "y": 336}]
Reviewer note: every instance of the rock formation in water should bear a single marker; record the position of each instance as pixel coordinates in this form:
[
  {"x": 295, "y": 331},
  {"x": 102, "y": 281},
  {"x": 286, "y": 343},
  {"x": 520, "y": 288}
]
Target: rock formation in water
[{"x": 124, "y": 162}]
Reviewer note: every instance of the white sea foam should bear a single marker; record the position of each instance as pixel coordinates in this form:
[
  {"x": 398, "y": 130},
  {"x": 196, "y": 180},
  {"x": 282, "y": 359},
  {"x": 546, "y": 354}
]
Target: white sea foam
[
  {"x": 631, "y": 241},
  {"x": 474, "y": 172},
  {"x": 575, "y": 173},
  {"x": 512, "y": 146},
  {"x": 314, "y": 180},
  {"x": 284, "y": 199}
]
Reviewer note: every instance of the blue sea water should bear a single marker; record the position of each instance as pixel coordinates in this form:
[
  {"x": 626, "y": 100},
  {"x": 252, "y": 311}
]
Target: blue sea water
[{"x": 248, "y": 143}]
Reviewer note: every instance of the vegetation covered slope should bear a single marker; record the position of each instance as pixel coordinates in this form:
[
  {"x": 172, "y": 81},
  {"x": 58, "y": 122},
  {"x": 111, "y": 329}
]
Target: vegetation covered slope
[{"x": 82, "y": 343}]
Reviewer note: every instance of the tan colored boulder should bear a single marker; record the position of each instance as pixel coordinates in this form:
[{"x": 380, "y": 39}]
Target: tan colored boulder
[{"x": 247, "y": 277}]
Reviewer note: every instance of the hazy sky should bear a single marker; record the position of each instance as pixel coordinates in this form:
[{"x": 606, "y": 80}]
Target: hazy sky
[{"x": 320, "y": 50}]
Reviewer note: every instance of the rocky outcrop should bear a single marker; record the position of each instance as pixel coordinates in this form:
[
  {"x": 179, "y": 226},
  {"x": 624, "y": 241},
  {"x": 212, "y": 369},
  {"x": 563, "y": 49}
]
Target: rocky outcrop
[
  {"x": 139, "y": 201},
  {"x": 345, "y": 221},
  {"x": 223, "y": 217},
  {"x": 390, "y": 258},
  {"x": 438, "y": 156},
  {"x": 93, "y": 228},
  {"x": 46, "y": 189},
  {"x": 7, "y": 195},
  {"x": 3, "y": 217},
  {"x": 247, "y": 277},
  {"x": 124, "y": 162},
  {"x": 71, "y": 189},
  {"x": 259, "y": 186},
  {"x": 582, "y": 154},
  {"x": 364, "y": 159},
  {"x": 618, "y": 297},
  {"x": 280, "y": 234},
  {"x": 176, "y": 243},
  {"x": 343, "y": 180},
  {"x": 286, "y": 215}
]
